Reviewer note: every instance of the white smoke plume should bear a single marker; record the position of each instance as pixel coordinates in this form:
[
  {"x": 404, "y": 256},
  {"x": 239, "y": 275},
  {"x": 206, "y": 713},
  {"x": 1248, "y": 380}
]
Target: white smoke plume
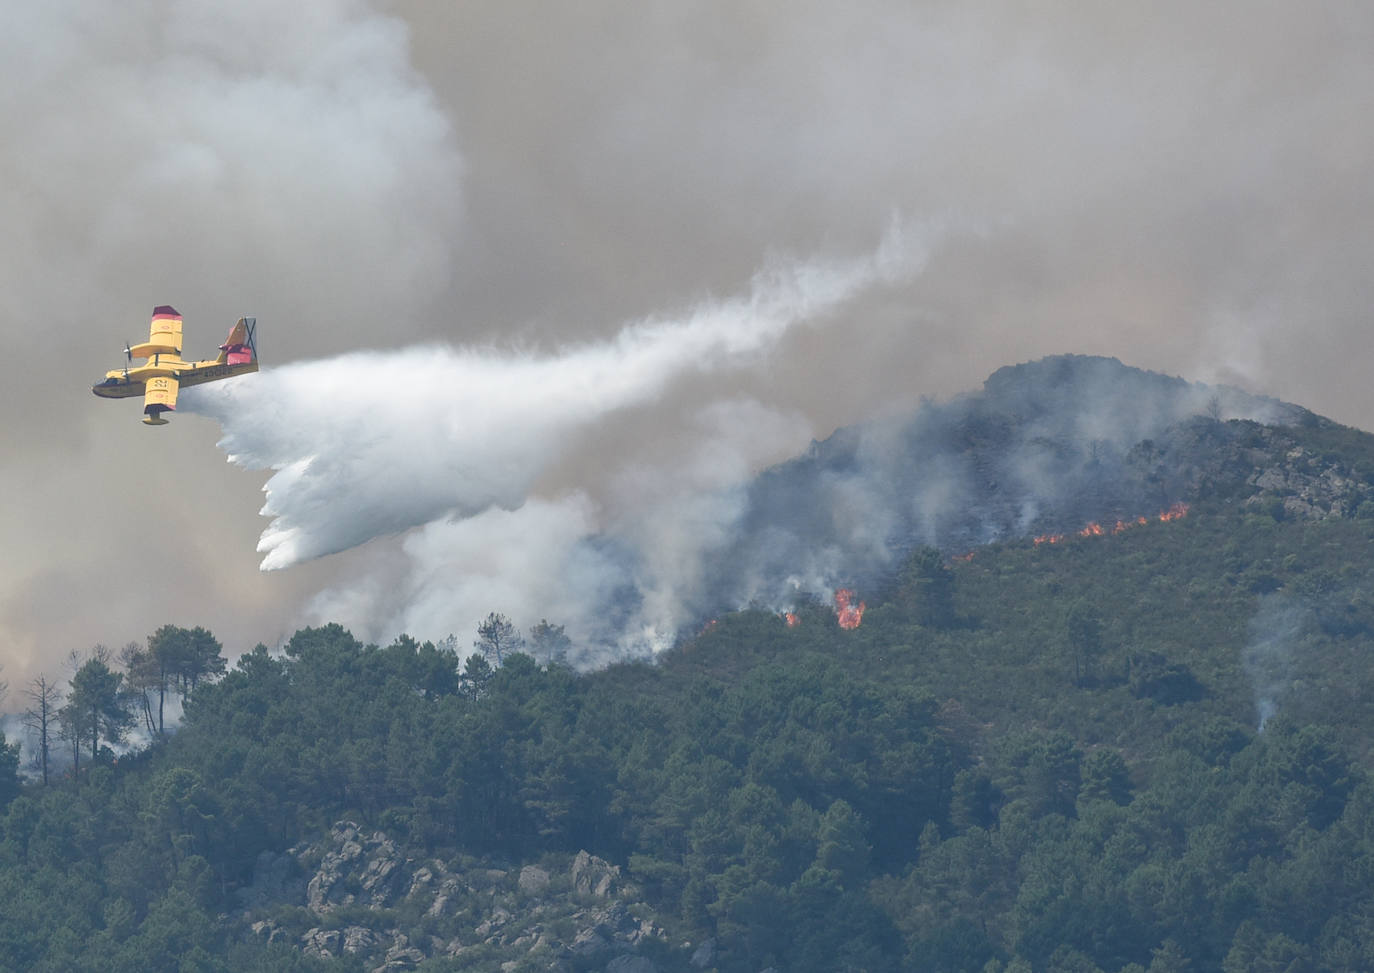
[
  {"x": 1275, "y": 632},
  {"x": 456, "y": 440}
]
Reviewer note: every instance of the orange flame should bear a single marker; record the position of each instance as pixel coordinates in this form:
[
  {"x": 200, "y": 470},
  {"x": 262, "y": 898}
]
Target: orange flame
[
  {"x": 791, "y": 618},
  {"x": 849, "y": 614},
  {"x": 965, "y": 557},
  {"x": 1175, "y": 512}
]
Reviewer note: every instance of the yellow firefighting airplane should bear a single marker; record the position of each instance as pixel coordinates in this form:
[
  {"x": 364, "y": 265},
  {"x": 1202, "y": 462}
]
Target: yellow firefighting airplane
[{"x": 158, "y": 379}]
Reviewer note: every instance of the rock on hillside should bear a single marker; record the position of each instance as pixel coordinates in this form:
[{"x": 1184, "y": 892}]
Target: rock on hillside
[{"x": 359, "y": 893}]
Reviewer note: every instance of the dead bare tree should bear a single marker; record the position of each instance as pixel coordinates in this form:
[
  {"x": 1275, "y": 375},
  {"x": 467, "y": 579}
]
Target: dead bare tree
[{"x": 41, "y": 715}]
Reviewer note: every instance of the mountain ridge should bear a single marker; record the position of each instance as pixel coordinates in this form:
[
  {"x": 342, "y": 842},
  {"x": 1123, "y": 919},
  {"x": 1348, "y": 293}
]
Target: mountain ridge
[{"x": 1043, "y": 447}]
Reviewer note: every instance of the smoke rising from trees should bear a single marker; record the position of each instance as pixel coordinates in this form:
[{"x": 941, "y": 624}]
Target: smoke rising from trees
[{"x": 1268, "y": 657}]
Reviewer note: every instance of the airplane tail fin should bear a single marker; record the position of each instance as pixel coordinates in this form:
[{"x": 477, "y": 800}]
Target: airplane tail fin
[{"x": 241, "y": 346}]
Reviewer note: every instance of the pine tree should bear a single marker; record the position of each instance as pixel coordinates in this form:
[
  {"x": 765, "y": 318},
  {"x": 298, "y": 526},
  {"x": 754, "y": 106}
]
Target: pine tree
[{"x": 497, "y": 636}]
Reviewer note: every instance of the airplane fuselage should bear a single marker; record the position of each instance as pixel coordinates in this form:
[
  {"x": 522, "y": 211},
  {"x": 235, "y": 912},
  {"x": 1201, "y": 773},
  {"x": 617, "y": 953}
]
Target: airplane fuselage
[{"x": 121, "y": 384}]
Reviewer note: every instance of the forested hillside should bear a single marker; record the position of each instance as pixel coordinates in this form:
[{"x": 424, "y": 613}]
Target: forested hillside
[{"x": 1126, "y": 746}]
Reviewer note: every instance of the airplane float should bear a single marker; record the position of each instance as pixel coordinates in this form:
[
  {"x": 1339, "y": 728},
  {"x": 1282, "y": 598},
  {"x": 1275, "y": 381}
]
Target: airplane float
[{"x": 158, "y": 378}]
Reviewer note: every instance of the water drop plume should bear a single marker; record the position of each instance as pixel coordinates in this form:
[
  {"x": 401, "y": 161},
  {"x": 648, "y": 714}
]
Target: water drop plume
[{"x": 373, "y": 443}]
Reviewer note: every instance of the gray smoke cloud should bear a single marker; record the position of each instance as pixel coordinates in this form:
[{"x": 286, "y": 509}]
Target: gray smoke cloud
[{"x": 1181, "y": 185}]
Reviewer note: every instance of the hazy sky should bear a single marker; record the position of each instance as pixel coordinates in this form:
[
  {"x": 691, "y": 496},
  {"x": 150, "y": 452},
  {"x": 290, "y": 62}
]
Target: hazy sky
[{"x": 524, "y": 188}]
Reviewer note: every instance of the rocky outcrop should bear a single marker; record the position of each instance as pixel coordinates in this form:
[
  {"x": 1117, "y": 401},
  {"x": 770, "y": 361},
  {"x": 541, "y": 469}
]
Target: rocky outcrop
[
  {"x": 357, "y": 893},
  {"x": 534, "y": 879},
  {"x": 366, "y": 869},
  {"x": 1301, "y": 485},
  {"x": 328, "y": 943},
  {"x": 592, "y": 876}
]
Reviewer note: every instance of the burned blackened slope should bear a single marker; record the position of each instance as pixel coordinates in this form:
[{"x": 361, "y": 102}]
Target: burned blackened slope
[{"x": 1044, "y": 447}]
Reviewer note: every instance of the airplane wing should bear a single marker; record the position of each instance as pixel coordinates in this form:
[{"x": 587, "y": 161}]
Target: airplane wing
[
  {"x": 164, "y": 334},
  {"x": 159, "y": 396}
]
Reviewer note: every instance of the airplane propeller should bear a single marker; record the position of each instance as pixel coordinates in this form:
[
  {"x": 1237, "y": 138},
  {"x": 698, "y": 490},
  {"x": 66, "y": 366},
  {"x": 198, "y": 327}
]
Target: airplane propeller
[{"x": 128, "y": 352}]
